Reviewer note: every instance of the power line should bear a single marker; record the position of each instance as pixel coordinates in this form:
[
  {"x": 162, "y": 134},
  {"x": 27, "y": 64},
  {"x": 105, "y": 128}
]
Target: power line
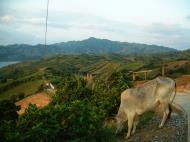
[{"x": 47, "y": 10}]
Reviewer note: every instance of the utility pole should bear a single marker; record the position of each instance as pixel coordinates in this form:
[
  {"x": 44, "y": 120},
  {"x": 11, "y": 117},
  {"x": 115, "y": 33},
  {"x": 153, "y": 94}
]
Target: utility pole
[{"x": 47, "y": 10}]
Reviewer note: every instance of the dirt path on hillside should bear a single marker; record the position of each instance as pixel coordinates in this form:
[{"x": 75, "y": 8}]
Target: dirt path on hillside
[
  {"x": 40, "y": 99},
  {"x": 184, "y": 100}
]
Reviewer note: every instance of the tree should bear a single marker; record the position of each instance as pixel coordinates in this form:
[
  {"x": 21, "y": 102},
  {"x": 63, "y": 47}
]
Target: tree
[
  {"x": 8, "y": 110},
  {"x": 8, "y": 117}
]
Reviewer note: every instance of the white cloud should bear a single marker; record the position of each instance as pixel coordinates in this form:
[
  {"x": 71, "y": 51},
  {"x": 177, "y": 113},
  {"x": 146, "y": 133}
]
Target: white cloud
[
  {"x": 7, "y": 19},
  {"x": 166, "y": 29},
  {"x": 153, "y": 22},
  {"x": 173, "y": 35},
  {"x": 36, "y": 20}
]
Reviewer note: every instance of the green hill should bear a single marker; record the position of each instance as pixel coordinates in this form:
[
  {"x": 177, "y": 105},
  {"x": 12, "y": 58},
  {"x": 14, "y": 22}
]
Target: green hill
[
  {"x": 19, "y": 52},
  {"x": 63, "y": 64},
  {"x": 100, "y": 66}
]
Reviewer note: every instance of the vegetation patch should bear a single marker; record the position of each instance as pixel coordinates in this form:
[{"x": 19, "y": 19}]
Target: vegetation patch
[{"x": 27, "y": 89}]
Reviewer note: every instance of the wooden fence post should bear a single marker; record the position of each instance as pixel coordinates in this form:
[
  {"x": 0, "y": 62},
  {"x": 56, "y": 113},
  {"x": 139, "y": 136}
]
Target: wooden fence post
[
  {"x": 163, "y": 70},
  {"x": 134, "y": 77},
  {"x": 145, "y": 75}
]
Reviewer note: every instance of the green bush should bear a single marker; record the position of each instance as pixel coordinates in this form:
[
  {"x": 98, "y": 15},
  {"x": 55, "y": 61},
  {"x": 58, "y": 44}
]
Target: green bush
[
  {"x": 8, "y": 110},
  {"x": 77, "y": 112},
  {"x": 77, "y": 120},
  {"x": 21, "y": 95},
  {"x": 17, "y": 97},
  {"x": 7, "y": 120},
  {"x": 72, "y": 88}
]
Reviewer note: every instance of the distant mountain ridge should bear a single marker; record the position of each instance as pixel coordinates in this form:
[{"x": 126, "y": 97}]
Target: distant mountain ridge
[{"x": 19, "y": 52}]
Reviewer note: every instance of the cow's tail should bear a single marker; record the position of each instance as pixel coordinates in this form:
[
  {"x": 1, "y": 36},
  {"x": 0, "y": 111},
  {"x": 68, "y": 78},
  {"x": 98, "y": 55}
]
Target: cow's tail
[
  {"x": 178, "y": 109},
  {"x": 172, "y": 100},
  {"x": 171, "y": 107},
  {"x": 175, "y": 91}
]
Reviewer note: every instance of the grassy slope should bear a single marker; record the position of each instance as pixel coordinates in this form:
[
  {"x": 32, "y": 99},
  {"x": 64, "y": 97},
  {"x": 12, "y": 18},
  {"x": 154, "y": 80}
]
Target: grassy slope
[
  {"x": 101, "y": 66},
  {"x": 28, "y": 88},
  {"x": 81, "y": 63}
]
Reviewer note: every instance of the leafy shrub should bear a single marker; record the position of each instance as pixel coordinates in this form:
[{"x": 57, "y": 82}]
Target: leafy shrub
[
  {"x": 78, "y": 120},
  {"x": 72, "y": 88},
  {"x": 17, "y": 97},
  {"x": 8, "y": 110},
  {"x": 77, "y": 112},
  {"x": 8, "y": 117},
  {"x": 21, "y": 95}
]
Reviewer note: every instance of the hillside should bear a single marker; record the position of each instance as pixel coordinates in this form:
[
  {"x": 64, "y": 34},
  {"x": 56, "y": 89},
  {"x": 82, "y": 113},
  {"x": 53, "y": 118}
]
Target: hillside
[
  {"x": 14, "y": 78},
  {"x": 69, "y": 64},
  {"x": 103, "y": 67},
  {"x": 78, "y": 101},
  {"x": 18, "y": 52}
]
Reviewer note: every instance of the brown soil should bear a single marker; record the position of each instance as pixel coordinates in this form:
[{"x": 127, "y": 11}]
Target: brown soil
[
  {"x": 40, "y": 99},
  {"x": 183, "y": 83}
]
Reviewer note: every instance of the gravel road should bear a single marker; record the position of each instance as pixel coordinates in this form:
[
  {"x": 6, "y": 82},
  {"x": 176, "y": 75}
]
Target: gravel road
[
  {"x": 184, "y": 100},
  {"x": 175, "y": 130}
]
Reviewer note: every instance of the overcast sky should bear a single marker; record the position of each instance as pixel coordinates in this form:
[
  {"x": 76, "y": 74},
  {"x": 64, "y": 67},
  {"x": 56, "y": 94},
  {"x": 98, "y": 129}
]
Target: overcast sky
[{"x": 161, "y": 22}]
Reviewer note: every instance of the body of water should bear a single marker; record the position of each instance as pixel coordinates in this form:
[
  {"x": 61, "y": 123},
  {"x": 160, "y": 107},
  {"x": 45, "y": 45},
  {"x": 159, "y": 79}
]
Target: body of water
[{"x": 3, "y": 64}]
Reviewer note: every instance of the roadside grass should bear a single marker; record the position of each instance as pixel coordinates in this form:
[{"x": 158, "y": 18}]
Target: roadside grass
[{"x": 111, "y": 128}]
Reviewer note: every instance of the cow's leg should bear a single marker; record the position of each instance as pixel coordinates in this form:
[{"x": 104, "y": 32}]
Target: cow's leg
[
  {"x": 130, "y": 124},
  {"x": 165, "y": 115},
  {"x": 136, "y": 121},
  {"x": 170, "y": 112}
]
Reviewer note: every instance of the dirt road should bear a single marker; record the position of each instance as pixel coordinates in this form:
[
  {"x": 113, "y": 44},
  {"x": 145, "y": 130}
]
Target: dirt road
[{"x": 184, "y": 100}]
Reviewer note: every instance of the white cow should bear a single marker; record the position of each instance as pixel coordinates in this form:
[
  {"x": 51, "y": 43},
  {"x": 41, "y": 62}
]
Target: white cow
[{"x": 153, "y": 95}]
